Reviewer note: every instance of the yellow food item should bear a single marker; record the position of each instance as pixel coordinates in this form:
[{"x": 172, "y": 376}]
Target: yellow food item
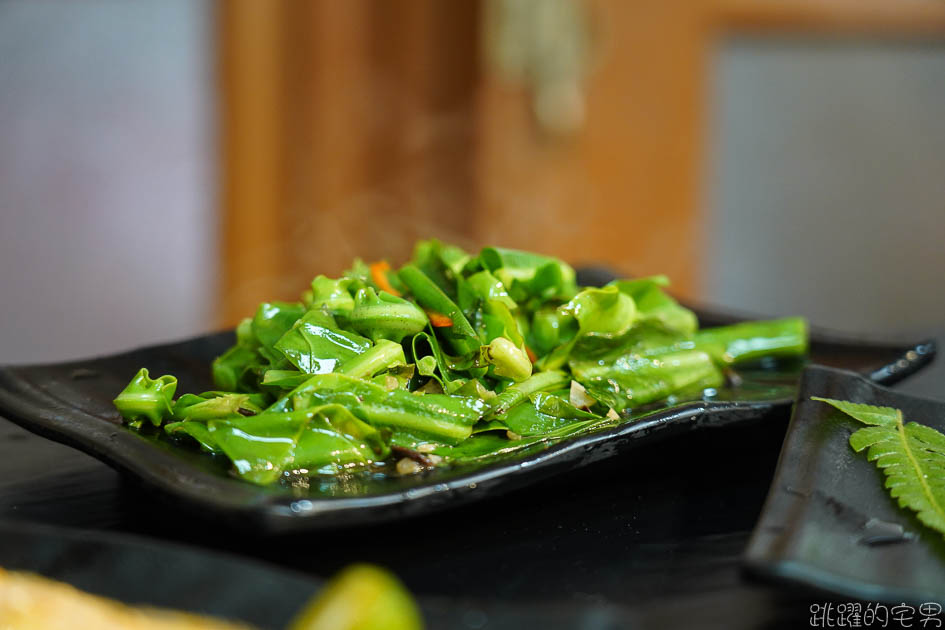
[
  {"x": 361, "y": 597},
  {"x": 32, "y": 602}
]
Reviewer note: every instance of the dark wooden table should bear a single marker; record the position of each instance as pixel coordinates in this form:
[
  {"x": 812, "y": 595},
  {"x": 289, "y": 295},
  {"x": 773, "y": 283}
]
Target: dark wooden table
[{"x": 657, "y": 533}]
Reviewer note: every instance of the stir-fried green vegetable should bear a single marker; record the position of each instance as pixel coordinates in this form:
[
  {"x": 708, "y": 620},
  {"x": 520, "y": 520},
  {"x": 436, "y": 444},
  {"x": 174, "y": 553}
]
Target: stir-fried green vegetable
[{"x": 451, "y": 358}]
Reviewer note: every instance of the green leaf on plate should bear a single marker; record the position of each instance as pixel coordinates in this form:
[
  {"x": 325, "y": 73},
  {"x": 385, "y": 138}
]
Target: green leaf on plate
[{"x": 911, "y": 455}]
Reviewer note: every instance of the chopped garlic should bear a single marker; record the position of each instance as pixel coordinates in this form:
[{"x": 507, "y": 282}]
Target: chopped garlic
[
  {"x": 407, "y": 466},
  {"x": 579, "y": 396}
]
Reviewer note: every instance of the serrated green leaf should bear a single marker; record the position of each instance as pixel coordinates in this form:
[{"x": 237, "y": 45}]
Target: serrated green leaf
[
  {"x": 912, "y": 456},
  {"x": 864, "y": 438},
  {"x": 867, "y": 414}
]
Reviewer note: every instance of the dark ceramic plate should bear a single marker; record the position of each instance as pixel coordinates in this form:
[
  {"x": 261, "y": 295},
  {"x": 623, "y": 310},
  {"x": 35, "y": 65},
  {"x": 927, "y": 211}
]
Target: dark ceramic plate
[
  {"x": 71, "y": 403},
  {"x": 828, "y": 523},
  {"x": 141, "y": 571}
]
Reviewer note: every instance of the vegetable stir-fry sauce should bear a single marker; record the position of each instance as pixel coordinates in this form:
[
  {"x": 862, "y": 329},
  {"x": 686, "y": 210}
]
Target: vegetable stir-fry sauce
[{"x": 452, "y": 357}]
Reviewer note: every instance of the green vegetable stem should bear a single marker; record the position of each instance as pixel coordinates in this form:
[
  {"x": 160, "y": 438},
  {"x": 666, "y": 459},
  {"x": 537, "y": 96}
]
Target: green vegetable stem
[{"x": 147, "y": 398}]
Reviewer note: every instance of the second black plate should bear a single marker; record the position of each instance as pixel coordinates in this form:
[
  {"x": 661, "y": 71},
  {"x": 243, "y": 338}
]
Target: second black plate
[{"x": 829, "y": 524}]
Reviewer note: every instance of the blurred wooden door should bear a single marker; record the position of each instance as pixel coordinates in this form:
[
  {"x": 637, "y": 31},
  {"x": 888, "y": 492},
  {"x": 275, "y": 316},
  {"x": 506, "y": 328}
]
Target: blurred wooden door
[
  {"x": 353, "y": 128},
  {"x": 346, "y": 132}
]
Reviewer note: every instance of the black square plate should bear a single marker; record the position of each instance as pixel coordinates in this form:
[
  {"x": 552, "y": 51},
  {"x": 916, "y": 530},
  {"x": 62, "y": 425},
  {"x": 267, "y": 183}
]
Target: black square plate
[{"x": 71, "y": 403}]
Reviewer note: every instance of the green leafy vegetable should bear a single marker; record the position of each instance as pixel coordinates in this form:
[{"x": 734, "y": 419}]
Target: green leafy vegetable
[
  {"x": 508, "y": 360},
  {"x": 636, "y": 380},
  {"x": 333, "y": 295},
  {"x": 272, "y": 320},
  {"x": 315, "y": 344},
  {"x": 215, "y": 405},
  {"x": 548, "y": 412},
  {"x": 515, "y": 394},
  {"x": 235, "y": 369},
  {"x": 653, "y": 304},
  {"x": 449, "y": 418},
  {"x": 453, "y": 357},
  {"x": 911, "y": 455},
  {"x": 429, "y": 295},
  {"x": 384, "y": 316},
  {"x": 530, "y": 275},
  {"x": 383, "y": 356},
  {"x": 750, "y": 341},
  {"x": 148, "y": 398}
]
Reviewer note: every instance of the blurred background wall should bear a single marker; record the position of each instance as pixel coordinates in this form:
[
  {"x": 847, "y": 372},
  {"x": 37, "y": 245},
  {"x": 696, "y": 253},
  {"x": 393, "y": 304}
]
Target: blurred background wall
[
  {"x": 107, "y": 175},
  {"x": 164, "y": 166},
  {"x": 825, "y": 172}
]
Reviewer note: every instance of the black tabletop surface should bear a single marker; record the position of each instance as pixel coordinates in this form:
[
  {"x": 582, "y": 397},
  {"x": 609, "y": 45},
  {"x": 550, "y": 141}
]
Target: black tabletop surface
[{"x": 659, "y": 532}]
